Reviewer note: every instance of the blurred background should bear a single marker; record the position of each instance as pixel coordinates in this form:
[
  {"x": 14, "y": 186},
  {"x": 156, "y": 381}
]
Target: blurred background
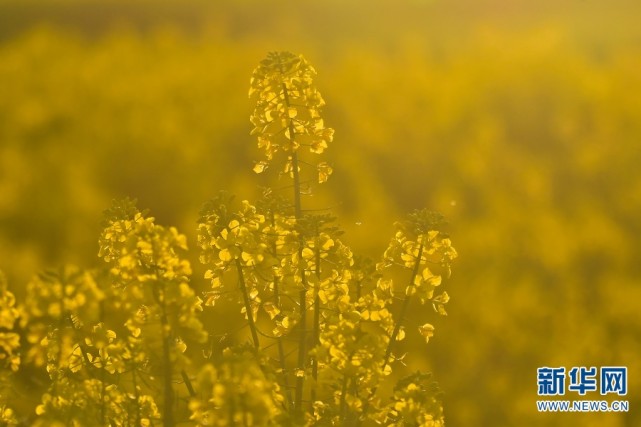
[{"x": 520, "y": 121}]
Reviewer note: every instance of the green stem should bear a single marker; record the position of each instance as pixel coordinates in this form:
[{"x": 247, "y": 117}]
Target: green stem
[
  {"x": 168, "y": 418},
  {"x": 297, "y": 202},
  {"x": 347, "y": 417},
  {"x": 248, "y": 308},
  {"x": 281, "y": 347},
  {"x": 281, "y": 351},
  {"x": 232, "y": 404},
  {"x": 187, "y": 381},
  {"x": 316, "y": 328},
  {"x": 102, "y": 373},
  {"x": 295, "y": 172},
  {"x": 136, "y": 395},
  {"x": 102, "y": 395},
  {"x": 300, "y": 379},
  {"x": 343, "y": 393},
  {"x": 83, "y": 348},
  {"x": 300, "y": 374},
  {"x": 397, "y": 326},
  {"x": 406, "y": 303}
]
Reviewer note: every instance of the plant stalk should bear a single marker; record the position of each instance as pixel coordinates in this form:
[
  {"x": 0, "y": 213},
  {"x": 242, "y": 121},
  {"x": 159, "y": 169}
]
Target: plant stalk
[
  {"x": 397, "y": 326},
  {"x": 406, "y": 303},
  {"x": 316, "y": 327},
  {"x": 168, "y": 391},
  {"x": 279, "y": 340},
  {"x": 248, "y": 308},
  {"x": 302, "y": 353}
]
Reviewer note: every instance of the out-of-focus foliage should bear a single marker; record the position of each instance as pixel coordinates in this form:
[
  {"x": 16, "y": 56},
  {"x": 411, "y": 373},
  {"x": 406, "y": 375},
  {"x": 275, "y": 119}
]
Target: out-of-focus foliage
[{"x": 520, "y": 121}]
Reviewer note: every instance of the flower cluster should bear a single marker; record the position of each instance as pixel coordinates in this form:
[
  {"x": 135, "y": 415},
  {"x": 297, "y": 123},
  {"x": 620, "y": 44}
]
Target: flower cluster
[
  {"x": 83, "y": 357},
  {"x": 416, "y": 402},
  {"x": 236, "y": 242},
  {"x": 237, "y": 392},
  {"x": 296, "y": 268},
  {"x": 421, "y": 247},
  {"x": 62, "y": 301},
  {"x": 80, "y": 403},
  {"x": 139, "y": 251},
  {"x": 147, "y": 261},
  {"x": 287, "y": 113}
]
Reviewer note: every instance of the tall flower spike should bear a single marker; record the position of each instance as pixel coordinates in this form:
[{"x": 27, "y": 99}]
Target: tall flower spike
[{"x": 287, "y": 115}]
